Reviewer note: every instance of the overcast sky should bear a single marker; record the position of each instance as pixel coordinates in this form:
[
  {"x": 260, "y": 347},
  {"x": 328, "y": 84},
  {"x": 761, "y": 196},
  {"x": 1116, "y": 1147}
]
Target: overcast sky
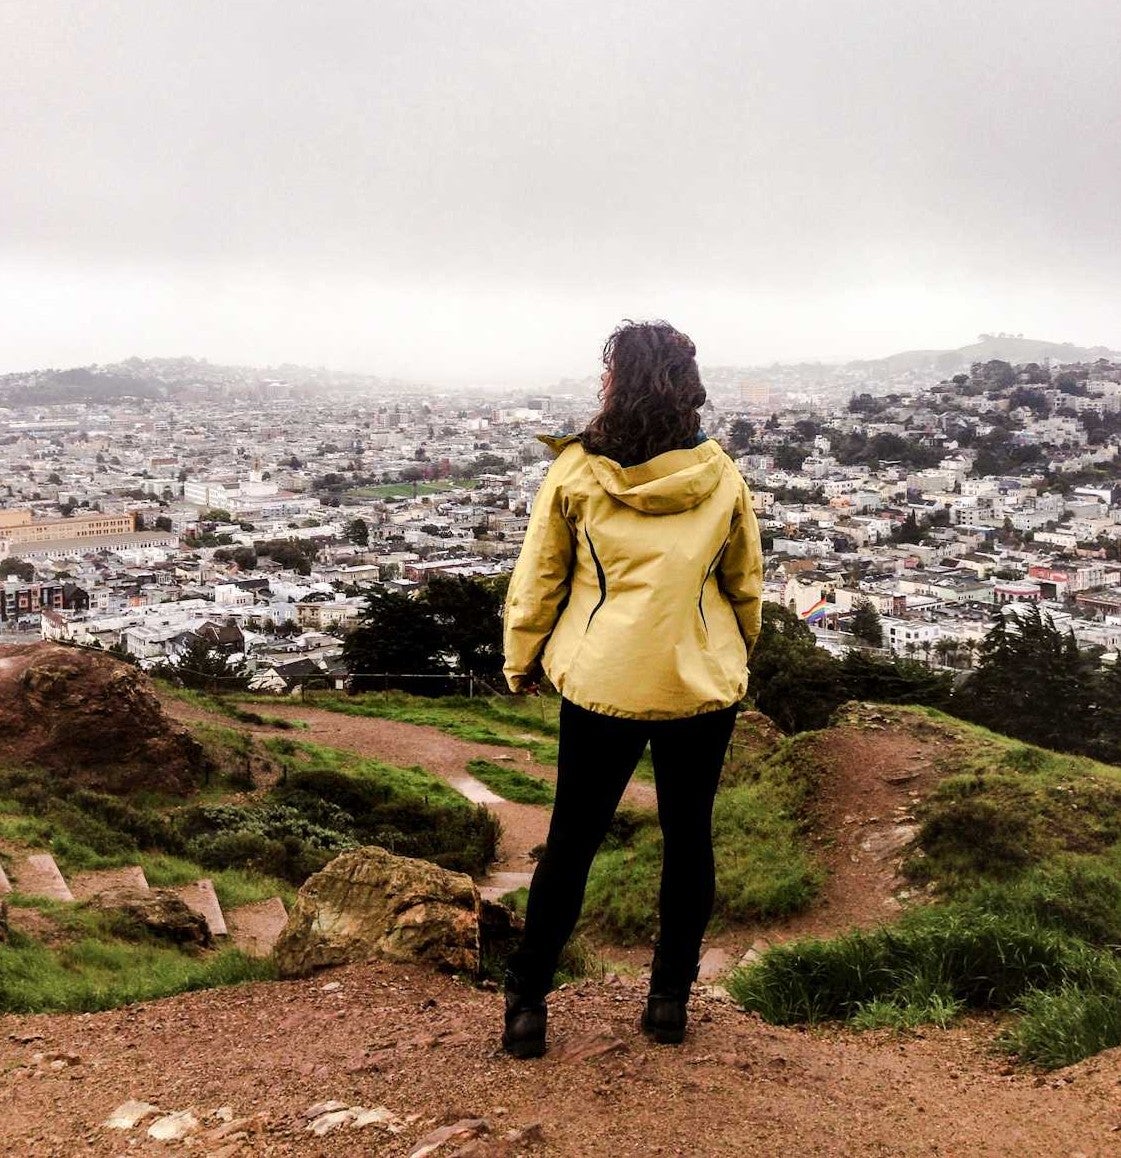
[{"x": 478, "y": 190}]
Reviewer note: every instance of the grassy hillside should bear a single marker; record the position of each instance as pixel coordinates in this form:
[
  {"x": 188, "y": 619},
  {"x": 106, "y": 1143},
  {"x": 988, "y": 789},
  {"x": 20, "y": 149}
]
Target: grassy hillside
[
  {"x": 1018, "y": 855},
  {"x": 254, "y": 843}
]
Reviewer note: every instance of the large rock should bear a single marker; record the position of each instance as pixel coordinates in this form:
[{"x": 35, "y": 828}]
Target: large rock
[
  {"x": 158, "y": 911},
  {"x": 93, "y": 719},
  {"x": 369, "y": 903}
]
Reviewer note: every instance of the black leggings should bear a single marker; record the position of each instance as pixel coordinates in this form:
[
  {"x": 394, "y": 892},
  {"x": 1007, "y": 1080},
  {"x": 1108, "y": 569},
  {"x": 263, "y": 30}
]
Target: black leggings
[{"x": 597, "y": 756}]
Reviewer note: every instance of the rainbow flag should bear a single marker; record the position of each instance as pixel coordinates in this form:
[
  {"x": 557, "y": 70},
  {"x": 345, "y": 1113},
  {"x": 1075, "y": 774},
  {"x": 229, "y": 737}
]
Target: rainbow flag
[{"x": 816, "y": 613}]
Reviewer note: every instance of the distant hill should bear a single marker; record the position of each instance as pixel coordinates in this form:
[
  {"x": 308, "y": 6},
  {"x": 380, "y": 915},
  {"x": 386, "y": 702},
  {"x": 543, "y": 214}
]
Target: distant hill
[
  {"x": 161, "y": 378},
  {"x": 1012, "y": 348}
]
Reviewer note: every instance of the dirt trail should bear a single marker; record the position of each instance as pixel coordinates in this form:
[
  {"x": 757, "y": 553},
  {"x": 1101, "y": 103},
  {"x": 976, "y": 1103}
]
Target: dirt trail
[
  {"x": 524, "y": 826},
  {"x": 421, "y": 1044}
]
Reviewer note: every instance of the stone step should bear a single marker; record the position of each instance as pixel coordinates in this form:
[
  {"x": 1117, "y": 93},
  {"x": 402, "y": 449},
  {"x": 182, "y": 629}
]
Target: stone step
[
  {"x": 256, "y": 928},
  {"x": 200, "y": 897},
  {"x": 5, "y": 884},
  {"x": 499, "y": 884},
  {"x": 38, "y": 876},
  {"x": 90, "y": 884}
]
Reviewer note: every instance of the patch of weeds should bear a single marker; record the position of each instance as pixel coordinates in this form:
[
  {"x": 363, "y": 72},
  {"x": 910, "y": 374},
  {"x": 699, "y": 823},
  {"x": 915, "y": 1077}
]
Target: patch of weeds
[
  {"x": 995, "y": 825},
  {"x": 934, "y": 962},
  {"x": 1062, "y": 1026},
  {"x": 406, "y": 810},
  {"x": 511, "y": 783},
  {"x": 506, "y": 721},
  {"x": 764, "y": 868},
  {"x": 101, "y": 972}
]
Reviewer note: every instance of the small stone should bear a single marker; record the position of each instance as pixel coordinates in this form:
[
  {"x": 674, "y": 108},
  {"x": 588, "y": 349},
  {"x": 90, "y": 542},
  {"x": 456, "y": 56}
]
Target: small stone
[
  {"x": 234, "y": 1127},
  {"x": 227, "y": 1151},
  {"x": 588, "y": 1046},
  {"x": 378, "y": 1116},
  {"x": 128, "y": 1114},
  {"x": 532, "y": 1132},
  {"x": 331, "y": 987},
  {"x": 173, "y": 1127},
  {"x": 25, "y": 1038},
  {"x": 325, "y": 1123},
  {"x": 324, "y": 1108},
  {"x": 224, "y": 1114},
  {"x": 464, "y": 1130}
]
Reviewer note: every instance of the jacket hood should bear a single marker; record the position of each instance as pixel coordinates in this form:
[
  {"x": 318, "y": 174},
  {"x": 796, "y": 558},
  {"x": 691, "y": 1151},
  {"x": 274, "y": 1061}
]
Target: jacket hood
[{"x": 675, "y": 481}]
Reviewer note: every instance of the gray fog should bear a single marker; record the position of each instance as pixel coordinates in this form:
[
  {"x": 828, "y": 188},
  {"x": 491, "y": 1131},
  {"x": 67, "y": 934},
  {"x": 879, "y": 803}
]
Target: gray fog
[{"x": 478, "y": 191}]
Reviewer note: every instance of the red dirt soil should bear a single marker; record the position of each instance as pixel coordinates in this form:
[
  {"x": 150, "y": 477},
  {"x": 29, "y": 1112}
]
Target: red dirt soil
[{"x": 423, "y": 1044}]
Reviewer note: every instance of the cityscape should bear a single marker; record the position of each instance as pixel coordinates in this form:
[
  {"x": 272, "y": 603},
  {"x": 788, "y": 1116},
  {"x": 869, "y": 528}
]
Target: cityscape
[{"x": 150, "y": 505}]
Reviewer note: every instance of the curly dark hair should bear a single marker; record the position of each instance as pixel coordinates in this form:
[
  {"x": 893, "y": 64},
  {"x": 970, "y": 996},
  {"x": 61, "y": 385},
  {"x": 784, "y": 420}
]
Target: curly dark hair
[{"x": 650, "y": 397}]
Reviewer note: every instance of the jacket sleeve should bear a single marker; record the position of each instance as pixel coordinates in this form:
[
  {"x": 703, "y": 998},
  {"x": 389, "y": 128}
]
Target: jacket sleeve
[
  {"x": 740, "y": 571},
  {"x": 539, "y": 586}
]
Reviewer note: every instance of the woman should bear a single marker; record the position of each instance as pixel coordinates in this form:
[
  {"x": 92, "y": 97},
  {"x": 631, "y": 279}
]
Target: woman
[{"x": 637, "y": 593}]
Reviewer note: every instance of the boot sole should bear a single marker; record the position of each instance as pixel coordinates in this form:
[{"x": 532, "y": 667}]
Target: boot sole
[
  {"x": 664, "y": 1036},
  {"x": 524, "y": 1049}
]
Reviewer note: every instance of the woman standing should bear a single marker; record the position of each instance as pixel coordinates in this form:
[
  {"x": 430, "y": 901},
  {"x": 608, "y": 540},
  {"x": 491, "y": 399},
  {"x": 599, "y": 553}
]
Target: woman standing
[{"x": 637, "y": 593}]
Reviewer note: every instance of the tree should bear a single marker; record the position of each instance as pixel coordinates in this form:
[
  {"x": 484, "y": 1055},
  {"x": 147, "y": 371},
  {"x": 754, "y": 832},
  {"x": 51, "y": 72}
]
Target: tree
[
  {"x": 1107, "y": 719},
  {"x": 216, "y": 515},
  {"x": 741, "y": 435},
  {"x": 910, "y": 531},
  {"x": 1030, "y": 682},
  {"x": 397, "y": 637},
  {"x": 469, "y": 613},
  {"x": 20, "y": 568},
  {"x": 163, "y": 523},
  {"x": 866, "y": 624},
  {"x": 205, "y": 666},
  {"x": 358, "y": 532}
]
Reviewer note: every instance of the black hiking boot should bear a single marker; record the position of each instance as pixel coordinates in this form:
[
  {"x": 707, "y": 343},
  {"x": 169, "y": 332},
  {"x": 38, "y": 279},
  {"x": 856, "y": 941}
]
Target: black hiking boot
[
  {"x": 526, "y": 1018},
  {"x": 665, "y": 1016}
]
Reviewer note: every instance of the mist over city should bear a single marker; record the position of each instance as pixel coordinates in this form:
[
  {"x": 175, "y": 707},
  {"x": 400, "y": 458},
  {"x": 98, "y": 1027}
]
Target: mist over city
[{"x": 474, "y": 194}]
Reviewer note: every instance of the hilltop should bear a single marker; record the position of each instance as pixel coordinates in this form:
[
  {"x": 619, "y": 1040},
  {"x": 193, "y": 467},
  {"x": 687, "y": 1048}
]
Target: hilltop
[
  {"x": 1014, "y": 348},
  {"x": 869, "y": 806}
]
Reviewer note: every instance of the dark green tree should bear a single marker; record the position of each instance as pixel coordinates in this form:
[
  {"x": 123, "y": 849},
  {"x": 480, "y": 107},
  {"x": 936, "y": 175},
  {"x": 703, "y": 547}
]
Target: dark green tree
[
  {"x": 1031, "y": 682},
  {"x": 205, "y": 666},
  {"x": 741, "y": 435},
  {"x": 397, "y": 637},
  {"x": 1106, "y": 744},
  {"x": 358, "y": 532},
  {"x": 469, "y": 614},
  {"x": 18, "y": 568},
  {"x": 866, "y": 624}
]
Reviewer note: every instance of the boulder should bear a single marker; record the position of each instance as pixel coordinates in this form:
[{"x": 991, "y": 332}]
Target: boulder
[
  {"x": 369, "y": 903},
  {"x": 93, "y": 720},
  {"x": 158, "y": 911}
]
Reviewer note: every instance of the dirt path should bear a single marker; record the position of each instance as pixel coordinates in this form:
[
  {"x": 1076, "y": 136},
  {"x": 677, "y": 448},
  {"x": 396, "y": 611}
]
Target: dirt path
[
  {"x": 524, "y": 826},
  {"x": 425, "y": 1045}
]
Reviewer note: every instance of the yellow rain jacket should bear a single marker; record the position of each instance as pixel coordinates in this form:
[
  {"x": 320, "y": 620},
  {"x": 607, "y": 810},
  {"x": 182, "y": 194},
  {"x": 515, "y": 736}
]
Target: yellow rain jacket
[{"x": 638, "y": 588}]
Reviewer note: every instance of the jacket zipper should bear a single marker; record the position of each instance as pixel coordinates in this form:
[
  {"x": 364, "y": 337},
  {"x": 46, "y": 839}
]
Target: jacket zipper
[
  {"x": 600, "y": 576},
  {"x": 704, "y": 581}
]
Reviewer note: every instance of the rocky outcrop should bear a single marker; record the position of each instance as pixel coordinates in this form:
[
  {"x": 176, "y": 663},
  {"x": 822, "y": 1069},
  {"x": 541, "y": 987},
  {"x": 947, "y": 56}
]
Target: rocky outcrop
[
  {"x": 368, "y": 903},
  {"x": 93, "y": 719},
  {"x": 157, "y": 911}
]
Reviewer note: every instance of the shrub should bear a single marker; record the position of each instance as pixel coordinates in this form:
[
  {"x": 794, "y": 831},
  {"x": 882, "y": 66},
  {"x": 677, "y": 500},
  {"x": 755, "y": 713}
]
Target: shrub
[{"x": 937, "y": 961}]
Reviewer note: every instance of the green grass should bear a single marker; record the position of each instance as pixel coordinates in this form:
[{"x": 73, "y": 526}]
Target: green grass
[
  {"x": 101, "y": 971},
  {"x": 411, "y": 782},
  {"x": 505, "y": 721},
  {"x": 1022, "y": 849},
  {"x": 224, "y": 705},
  {"x": 511, "y": 783},
  {"x": 406, "y": 810},
  {"x": 406, "y": 489},
  {"x": 764, "y": 868},
  {"x": 976, "y": 959}
]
